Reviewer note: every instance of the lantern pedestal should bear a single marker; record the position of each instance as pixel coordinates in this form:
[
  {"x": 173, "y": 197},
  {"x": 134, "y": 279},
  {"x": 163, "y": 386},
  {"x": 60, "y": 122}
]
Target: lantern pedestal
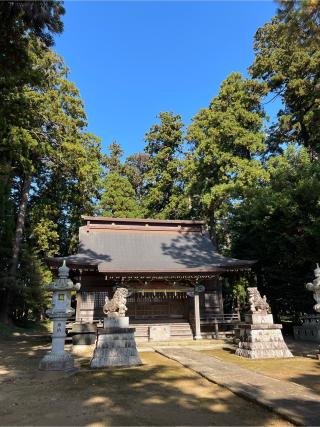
[
  {"x": 57, "y": 359},
  {"x": 57, "y": 362}
]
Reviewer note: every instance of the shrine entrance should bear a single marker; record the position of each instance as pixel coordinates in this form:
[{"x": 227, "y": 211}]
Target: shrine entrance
[{"x": 158, "y": 305}]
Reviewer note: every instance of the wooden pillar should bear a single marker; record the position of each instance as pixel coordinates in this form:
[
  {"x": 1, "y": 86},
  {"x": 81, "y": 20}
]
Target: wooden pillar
[
  {"x": 79, "y": 304},
  {"x": 216, "y": 329},
  {"x": 197, "y": 316}
]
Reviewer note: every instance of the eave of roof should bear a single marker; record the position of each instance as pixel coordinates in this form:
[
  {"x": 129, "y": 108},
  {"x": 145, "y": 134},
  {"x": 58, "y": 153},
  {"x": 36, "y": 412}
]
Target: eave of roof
[
  {"x": 141, "y": 220},
  {"x": 75, "y": 264}
]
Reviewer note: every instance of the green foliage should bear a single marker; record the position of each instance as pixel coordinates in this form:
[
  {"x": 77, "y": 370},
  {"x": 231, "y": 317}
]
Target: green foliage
[
  {"x": 113, "y": 160},
  {"x": 135, "y": 168},
  {"x": 118, "y": 198},
  {"x": 278, "y": 221},
  {"x": 257, "y": 188},
  {"x": 48, "y": 146},
  {"x": 51, "y": 144},
  {"x": 239, "y": 291},
  {"x": 31, "y": 298},
  {"x": 279, "y": 225},
  {"x": 165, "y": 189},
  {"x": 226, "y": 141},
  {"x": 20, "y": 20},
  {"x": 287, "y": 59}
]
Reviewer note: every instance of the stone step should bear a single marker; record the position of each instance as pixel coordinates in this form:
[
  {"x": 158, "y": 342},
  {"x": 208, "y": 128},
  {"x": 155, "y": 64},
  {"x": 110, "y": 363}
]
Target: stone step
[
  {"x": 179, "y": 330},
  {"x": 134, "y": 323},
  {"x": 173, "y": 328},
  {"x": 176, "y": 324},
  {"x": 157, "y": 321},
  {"x": 180, "y": 334}
]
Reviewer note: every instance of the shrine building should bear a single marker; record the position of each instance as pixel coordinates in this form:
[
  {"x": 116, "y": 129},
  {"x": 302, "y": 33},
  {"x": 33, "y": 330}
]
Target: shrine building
[{"x": 171, "y": 268}]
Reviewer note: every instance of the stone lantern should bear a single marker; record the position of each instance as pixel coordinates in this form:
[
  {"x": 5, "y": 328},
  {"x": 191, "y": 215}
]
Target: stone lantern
[
  {"x": 57, "y": 359},
  {"x": 314, "y": 322}
]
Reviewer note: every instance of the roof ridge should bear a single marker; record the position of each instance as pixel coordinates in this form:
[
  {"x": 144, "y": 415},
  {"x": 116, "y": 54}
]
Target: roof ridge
[{"x": 141, "y": 220}]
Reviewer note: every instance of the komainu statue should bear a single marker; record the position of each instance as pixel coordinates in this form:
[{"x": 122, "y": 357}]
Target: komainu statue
[
  {"x": 257, "y": 303},
  {"x": 116, "y": 307},
  {"x": 315, "y": 288},
  {"x": 259, "y": 337}
]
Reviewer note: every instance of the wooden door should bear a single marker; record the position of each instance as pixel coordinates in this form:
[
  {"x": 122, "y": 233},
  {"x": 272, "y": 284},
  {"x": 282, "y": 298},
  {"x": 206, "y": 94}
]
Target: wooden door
[{"x": 153, "y": 307}]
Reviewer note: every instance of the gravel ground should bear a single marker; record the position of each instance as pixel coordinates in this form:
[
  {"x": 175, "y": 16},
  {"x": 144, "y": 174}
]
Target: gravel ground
[{"x": 159, "y": 393}]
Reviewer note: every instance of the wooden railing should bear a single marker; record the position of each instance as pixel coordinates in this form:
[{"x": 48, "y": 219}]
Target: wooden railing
[
  {"x": 217, "y": 318},
  {"x": 220, "y": 318},
  {"x": 214, "y": 320}
]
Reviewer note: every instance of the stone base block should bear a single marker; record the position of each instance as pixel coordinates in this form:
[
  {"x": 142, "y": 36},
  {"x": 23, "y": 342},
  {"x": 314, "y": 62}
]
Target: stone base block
[
  {"x": 258, "y": 318},
  {"x": 116, "y": 322},
  {"x": 81, "y": 328},
  {"x": 83, "y": 333},
  {"x": 83, "y": 339},
  {"x": 115, "y": 347},
  {"x": 262, "y": 343},
  {"x": 57, "y": 362},
  {"x": 159, "y": 332}
]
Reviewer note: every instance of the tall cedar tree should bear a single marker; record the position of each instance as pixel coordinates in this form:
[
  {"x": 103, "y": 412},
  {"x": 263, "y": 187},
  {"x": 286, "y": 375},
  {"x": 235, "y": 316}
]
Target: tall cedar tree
[
  {"x": 279, "y": 225},
  {"x": 118, "y": 197},
  {"x": 19, "y": 20},
  {"x": 54, "y": 167},
  {"x": 165, "y": 194},
  {"x": 288, "y": 60},
  {"x": 226, "y": 140},
  {"x": 135, "y": 168}
]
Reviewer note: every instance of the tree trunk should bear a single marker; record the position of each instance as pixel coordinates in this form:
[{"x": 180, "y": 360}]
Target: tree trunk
[
  {"x": 212, "y": 230},
  {"x": 4, "y": 306},
  {"x": 5, "y": 190},
  {"x": 20, "y": 225}
]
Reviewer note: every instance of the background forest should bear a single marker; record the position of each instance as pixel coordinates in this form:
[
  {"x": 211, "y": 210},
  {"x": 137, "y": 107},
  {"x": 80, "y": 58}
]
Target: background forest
[{"x": 256, "y": 183}]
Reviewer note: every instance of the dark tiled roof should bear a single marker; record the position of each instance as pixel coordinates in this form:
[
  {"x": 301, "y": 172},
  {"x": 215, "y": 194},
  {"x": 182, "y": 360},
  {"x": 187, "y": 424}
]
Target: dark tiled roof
[{"x": 145, "y": 250}]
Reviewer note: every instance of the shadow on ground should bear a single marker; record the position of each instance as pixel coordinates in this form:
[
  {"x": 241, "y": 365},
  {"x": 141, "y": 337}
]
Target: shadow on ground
[{"x": 161, "y": 392}]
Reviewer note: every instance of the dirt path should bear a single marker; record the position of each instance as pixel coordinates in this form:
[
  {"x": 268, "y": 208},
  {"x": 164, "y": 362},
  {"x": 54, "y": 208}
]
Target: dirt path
[{"x": 161, "y": 392}]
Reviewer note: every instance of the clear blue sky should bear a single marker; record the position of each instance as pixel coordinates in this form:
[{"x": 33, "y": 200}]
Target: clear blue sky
[{"x": 131, "y": 60}]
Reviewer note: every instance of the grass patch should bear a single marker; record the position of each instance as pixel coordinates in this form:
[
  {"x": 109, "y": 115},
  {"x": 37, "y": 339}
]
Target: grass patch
[
  {"x": 29, "y": 327},
  {"x": 300, "y": 370}
]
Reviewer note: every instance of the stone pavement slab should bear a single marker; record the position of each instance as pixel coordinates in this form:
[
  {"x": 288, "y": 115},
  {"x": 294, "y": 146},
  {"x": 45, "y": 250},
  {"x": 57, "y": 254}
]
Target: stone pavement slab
[{"x": 298, "y": 404}]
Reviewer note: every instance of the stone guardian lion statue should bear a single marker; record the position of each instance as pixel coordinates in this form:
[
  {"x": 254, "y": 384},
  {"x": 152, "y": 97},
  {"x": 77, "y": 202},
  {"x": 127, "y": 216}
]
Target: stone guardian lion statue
[
  {"x": 116, "y": 307},
  {"x": 257, "y": 303}
]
